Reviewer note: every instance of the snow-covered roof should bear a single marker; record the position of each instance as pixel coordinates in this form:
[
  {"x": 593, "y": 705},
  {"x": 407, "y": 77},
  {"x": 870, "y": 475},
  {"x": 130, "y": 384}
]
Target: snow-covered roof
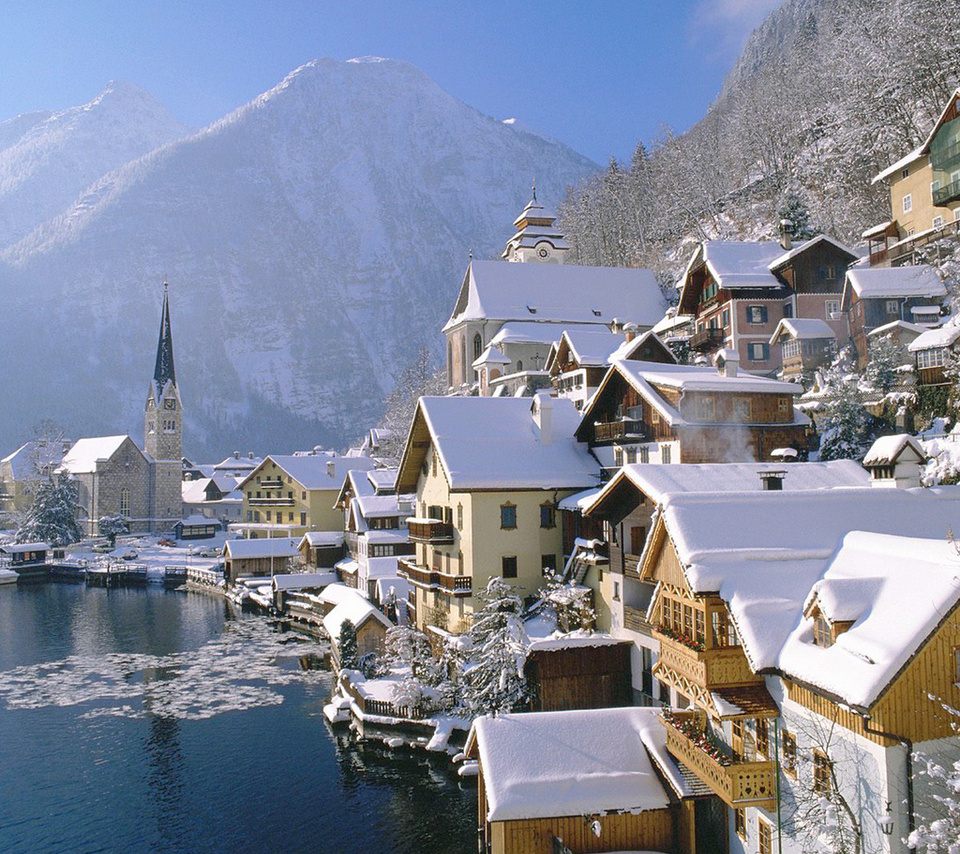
[
  {"x": 32, "y": 456},
  {"x": 916, "y": 154},
  {"x": 20, "y": 548},
  {"x": 236, "y": 463},
  {"x": 528, "y": 332},
  {"x": 501, "y": 290},
  {"x": 877, "y": 230},
  {"x": 303, "y": 580},
  {"x": 579, "y": 501},
  {"x": 902, "y": 325},
  {"x": 84, "y": 454},
  {"x": 357, "y": 610},
  {"x": 328, "y": 539},
  {"x": 895, "y": 590},
  {"x": 750, "y": 548},
  {"x": 742, "y": 264},
  {"x": 575, "y": 763},
  {"x": 945, "y": 336},
  {"x": 197, "y": 520},
  {"x": 495, "y": 443},
  {"x": 700, "y": 378},
  {"x": 593, "y": 346},
  {"x": 383, "y": 480},
  {"x": 889, "y": 282},
  {"x": 656, "y": 481},
  {"x": 788, "y": 256},
  {"x": 317, "y": 472},
  {"x": 278, "y": 547},
  {"x": 802, "y": 328},
  {"x": 490, "y": 356},
  {"x": 387, "y": 583},
  {"x": 886, "y": 450}
]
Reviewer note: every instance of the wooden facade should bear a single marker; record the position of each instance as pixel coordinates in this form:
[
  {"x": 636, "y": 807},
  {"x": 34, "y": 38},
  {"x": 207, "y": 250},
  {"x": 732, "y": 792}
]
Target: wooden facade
[{"x": 580, "y": 677}]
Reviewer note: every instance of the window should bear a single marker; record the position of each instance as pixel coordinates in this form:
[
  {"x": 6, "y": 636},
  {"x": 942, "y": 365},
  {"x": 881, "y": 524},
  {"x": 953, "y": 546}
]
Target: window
[
  {"x": 907, "y": 203},
  {"x": 822, "y": 636},
  {"x": 764, "y": 837},
  {"x": 268, "y": 515},
  {"x": 763, "y": 737},
  {"x": 687, "y": 620},
  {"x": 618, "y": 456},
  {"x": 459, "y": 517},
  {"x": 788, "y": 309},
  {"x": 616, "y": 591},
  {"x": 789, "y": 763},
  {"x": 905, "y": 172},
  {"x": 290, "y": 516},
  {"x": 725, "y": 318},
  {"x": 892, "y": 306},
  {"x": 256, "y": 515},
  {"x": 740, "y": 822},
  {"x": 706, "y": 408},
  {"x": 783, "y": 404},
  {"x": 631, "y": 455},
  {"x": 758, "y": 351},
  {"x": 382, "y": 550},
  {"x": 303, "y": 517},
  {"x": 508, "y": 515},
  {"x": 434, "y": 464},
  {"x": 477, "y": 346},
  {"x": 509, "y": 565},
  {"x": 519, "y": 366},
  {"x": 665, "y": 454},
  {"x": 303, "y": 495},
  {"x": 249, "y": 515},
  {"x": 934, "y": 186},
  {"x": 756, "y": 314},
  {"x": 938, "y": 222},
  {"x": 701, "y": 634},
  {"x": 548, "y": 565},
  {"x": 789, "y": 349},
  {"x": 644, "y": 454},
  {"x": 832, "y": 308},
  {"x": 124, "y": 502},
  {"x": 821, "y": 773},
  {"x": 437, "y": 562},
  {"x": 931, "y": 358},
  {"x": 548, "y": 516},
  {"x": 741, "y": 409}
]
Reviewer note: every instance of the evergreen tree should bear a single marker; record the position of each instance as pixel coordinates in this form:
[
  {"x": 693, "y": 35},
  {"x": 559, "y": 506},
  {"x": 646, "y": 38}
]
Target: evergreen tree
[
  {"x": 843, "y": 419},
  {"x": 493, "y": 680},
  {"x": 880, "y": 375},
  {"x": 111, "y": 526},
  {"x": 348, "y": 645},
  {"x": 794, "y": 209},
  {"x": 52, "y": 518},
  {"x": 407, "y": 647}
]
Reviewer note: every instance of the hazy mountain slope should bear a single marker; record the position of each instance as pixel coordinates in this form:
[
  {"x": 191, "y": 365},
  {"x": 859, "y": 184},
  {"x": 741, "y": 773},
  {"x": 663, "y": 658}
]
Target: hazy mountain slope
[
  {"x": 314, "y": 239},
  {"x": 47, "y": 159}
]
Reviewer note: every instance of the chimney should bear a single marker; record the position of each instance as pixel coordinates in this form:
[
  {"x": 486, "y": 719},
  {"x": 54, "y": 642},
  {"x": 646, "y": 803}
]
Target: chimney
[
  {"x": 727, "y": 362},
  {"x": 616, "y": 326},
  {"x": 786, "y": 232},
  {"x": 543, "y": 416},
  {"x": 250, "y": 455},
  {"x": 236, "y": 455},
  {"x": 331, "y": 468},
  {"x": 630, "y": 331},
  {"x": 772, "y": 480}
]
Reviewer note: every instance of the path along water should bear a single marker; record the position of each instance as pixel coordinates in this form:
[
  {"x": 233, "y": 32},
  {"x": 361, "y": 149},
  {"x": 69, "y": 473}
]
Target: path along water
[{"x": 137, "y": 720}]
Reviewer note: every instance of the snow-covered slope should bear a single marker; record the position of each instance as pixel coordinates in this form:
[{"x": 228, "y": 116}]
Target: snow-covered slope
[
  {"x": 313, "y": 239},
  {"x": 46, "y": 158}
]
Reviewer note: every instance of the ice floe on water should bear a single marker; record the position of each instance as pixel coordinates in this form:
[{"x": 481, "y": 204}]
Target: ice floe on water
[{"x": 240, "y": 669}]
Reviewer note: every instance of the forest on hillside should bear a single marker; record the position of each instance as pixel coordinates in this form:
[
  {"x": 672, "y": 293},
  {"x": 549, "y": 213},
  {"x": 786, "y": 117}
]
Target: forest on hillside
[{"x": 825, "y": 95}]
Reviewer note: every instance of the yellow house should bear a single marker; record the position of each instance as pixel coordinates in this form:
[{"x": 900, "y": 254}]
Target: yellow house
[
  {"x": 488, "y": 473},
  {"x": 286, "y": 496},
  {"x": 924, "y": 192}
]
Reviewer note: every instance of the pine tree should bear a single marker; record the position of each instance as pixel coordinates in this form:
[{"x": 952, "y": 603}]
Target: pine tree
[
  {"x": 880, "y": 375},
  {"x": 52, "y": 518},
  {"x": 347, "y": 645},
  {"x": 843, "y": 419},
  {"x": 793, "y": 208},
  {"x": 493, "y": 680},
  {"x": 407, "y": 647}
]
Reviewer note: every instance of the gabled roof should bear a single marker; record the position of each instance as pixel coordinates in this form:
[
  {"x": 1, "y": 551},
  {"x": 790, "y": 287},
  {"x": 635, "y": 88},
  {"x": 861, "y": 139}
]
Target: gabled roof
[
  {"x": 276, "y": 547},
  {"x": 923, "y": 149},
  {"x": 584, "y": 762},
  {"x": 945, "y": 336},
  {"x": 802, "y": 328},
  {"x": 495, "y": 443},
  {"x": 490, "y": 356},
  {"x": 800, "y": 248},
  {"x": 84, "y": 454},
  {"x": 599, "y": 348},
  {"x": 313, "y": 472},
  {"x": 557, "y": 293},
  {"x": 34, "y": 456},
  {"x": 357, "y": 610},
  {"x": 892, "y": 282},
  {"x": 887, "y": 450}
]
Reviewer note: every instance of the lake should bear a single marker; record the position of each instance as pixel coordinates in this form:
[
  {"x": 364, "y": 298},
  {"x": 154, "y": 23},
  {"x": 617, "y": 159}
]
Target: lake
[{"x": 137, "y": 720}]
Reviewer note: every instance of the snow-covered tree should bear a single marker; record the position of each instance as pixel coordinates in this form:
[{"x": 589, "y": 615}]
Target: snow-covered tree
[
  {"x": 52, "y": 518},
  {"x": 843, "y": 420},
  {"x": 493, "y": 680},
  {"x": 405, "y": 646},
  {"x": 881, "y": 375},
  {"x": 112, "y": 526},
  {"x": 570, "y": 604},
  {"x": 347, "y": 645},
  {"x": 939, "y": 832}
]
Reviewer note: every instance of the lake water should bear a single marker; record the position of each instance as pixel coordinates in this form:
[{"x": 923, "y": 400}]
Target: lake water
[{"x": 161, "y": 721}]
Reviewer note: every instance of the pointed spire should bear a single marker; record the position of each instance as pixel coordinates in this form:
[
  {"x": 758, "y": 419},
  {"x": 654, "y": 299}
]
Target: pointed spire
[
  {"x": 164, "y": 370},
  {"x": 534, "y": 189}
]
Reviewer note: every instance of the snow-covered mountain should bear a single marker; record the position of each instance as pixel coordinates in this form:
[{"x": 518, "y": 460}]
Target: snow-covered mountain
[
  {"x": 47, "y": 158},
  {"x": 314, "y": 239}
]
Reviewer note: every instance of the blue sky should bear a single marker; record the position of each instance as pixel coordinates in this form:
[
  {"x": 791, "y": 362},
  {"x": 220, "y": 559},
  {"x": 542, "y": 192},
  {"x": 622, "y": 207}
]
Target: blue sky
[{"x": 598, "y": 75}]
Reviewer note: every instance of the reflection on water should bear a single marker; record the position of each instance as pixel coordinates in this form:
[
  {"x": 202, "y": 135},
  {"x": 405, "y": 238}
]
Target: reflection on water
[{"x": 146, "y": 720}]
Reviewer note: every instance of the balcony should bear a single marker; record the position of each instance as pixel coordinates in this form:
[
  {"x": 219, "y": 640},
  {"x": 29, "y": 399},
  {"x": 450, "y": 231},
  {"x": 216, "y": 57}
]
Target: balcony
[
  {"x": 431, "y": 531},
  {"x": 711, "y": 668},
  {"x": 941, "y": 159},
  {"x": 707, "y": 339},
  {"x": 609, "y": 431},
  {"x": 271, "y": 502},
  {"x": 947, "y": 193},
  {"x": 737, "y": 784},
  {"x": 431, "y": 579},
  {"x": 271, "y": 483}
]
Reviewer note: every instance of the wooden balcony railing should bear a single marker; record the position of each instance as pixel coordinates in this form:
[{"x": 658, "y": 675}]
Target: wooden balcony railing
[
  {"x": 737, "y": 784},
  {"x": 707, "y": 339},
  {"x": 430, "y": 531},
  {"x": 274, "y": 483},
  {"x": 421, "y": 576},
  {"x": 608, "y": 431},
  {"x": 712, "y": 668},
  {"x": 272, "y": 502}
]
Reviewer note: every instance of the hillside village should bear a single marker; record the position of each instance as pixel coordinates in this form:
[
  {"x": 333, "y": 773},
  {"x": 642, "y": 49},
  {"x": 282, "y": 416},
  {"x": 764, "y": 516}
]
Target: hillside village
[{"x": 674, "y": 578}]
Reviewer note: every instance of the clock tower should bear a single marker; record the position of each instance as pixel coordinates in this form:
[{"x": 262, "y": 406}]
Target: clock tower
[
  {"x": 163, "y": 416},
  {"x": 537, "y": 238}
]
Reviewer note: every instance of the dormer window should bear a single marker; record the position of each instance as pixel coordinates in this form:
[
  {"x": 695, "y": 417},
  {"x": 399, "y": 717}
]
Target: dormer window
[{"x": 822, "y": 634}]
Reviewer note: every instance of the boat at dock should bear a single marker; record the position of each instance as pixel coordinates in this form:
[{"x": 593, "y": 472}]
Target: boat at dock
[{"x": 8, "y": 576}]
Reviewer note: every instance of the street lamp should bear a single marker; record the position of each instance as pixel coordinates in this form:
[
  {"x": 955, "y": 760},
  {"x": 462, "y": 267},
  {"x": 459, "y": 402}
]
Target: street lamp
[{"x": 886, "y": 822}]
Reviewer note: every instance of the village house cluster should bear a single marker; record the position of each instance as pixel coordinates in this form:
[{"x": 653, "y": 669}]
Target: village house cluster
[{"x": 771, "y": 641}]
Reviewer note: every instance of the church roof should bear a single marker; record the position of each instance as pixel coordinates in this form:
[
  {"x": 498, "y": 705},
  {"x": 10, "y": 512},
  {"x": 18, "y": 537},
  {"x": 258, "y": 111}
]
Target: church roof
[
  {"x": 83, "y": 456},
  {"x": 164, "y": 371}
]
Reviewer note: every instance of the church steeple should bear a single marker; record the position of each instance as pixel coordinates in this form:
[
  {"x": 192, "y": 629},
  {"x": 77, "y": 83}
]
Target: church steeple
[
  {"x": 537, "y": 237},
  {"x": 164, "y": 371}
]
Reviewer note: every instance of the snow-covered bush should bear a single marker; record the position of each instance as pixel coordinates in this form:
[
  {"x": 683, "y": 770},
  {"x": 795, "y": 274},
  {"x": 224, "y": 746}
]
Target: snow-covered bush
[
  {"x": 111, "y": 527},
  {"x": 843, "y": 420}
]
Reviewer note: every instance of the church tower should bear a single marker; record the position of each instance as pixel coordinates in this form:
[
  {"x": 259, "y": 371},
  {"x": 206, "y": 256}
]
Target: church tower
[
  {"x": 163, "y": 431},
  {"x": 537, "y": 238}
]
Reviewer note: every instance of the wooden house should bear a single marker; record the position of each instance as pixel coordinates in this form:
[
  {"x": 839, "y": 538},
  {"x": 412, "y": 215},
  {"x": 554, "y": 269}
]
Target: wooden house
[
  {"x": 739, "y": 291},
  {"x": 321, "y": 549},
  {"x": 370, "y": 625},
  {"x": 627, "y": 791},
  {"x": 590, "y": 672},
  {"x": 806, "y": 345},
  {"x": 667, "y": 413},
  {"x": 259, "y": 557},
  {"x": 924, "y": 193},
  {"x": 877, "y": 296},
  {"x": 196, "y": 528},
  {"x": 930, "y": 351}
]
